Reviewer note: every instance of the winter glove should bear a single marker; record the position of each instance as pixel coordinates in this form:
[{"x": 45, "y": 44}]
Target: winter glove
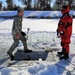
[
  {"x": 57, "y": 32},
  {"x": 61, "y": 43},
  {"x": 23, "y": 33},
  {"x": 58, "y": 35}
]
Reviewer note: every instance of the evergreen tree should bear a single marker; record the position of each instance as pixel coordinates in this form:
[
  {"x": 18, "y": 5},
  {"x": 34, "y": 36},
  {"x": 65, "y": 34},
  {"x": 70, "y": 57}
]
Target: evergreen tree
[
  {"x": 9, "y": 4},
  {"x": 55, "y": 7},
  {"x": 27, "y": 3},
  {"x": 0, "y": 5},
  {"x": 42, "y": 4},
  {"x": 73, "y": 5},
  {"x": 59, "y": 2}
]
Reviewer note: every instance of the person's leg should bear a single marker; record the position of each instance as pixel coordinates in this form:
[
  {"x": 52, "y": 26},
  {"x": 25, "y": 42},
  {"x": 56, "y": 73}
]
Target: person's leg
[
  {"x": 63, "y": 50},
  {"x": 66, "y": 54},
  {"x": 23, "y": 39},
  {"x": 14, "y": 45}
]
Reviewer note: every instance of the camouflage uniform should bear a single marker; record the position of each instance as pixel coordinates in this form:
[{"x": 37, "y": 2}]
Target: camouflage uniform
[{"x": 17, "y": 29}]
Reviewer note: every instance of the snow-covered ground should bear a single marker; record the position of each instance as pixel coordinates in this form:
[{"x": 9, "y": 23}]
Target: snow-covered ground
[{"x": 42, "y": 36}]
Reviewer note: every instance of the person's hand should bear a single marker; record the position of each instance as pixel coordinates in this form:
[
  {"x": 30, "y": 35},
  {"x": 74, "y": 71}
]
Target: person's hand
[
  {"x": 58, "y": 35},
  {"x": 57, "y": 32},
  {"x": 17, "y": 36},
  {"x": 62, "y": 33}
]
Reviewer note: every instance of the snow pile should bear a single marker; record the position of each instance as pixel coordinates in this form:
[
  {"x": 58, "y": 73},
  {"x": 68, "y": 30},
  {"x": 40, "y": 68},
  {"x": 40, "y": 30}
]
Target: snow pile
[
  {"x": 43, "y": 69},
  {"x": 37, "y": 68}
]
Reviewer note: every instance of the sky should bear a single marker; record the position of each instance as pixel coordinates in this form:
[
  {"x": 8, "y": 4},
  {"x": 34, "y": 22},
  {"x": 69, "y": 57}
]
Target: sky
[
  {"x": 18, "y": 3},
  {"x": 15, "y": 1}
]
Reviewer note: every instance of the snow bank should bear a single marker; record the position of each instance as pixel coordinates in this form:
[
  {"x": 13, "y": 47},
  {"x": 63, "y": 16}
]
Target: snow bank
[
  {"x": 35, "y": 13},
  {"x": 38, "y": 68}
]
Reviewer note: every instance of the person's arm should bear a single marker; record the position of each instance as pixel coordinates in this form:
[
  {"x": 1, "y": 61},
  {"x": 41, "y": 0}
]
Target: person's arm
[
  {"x": 68, "y": 26},
  {"x": 17, "y": 25}
]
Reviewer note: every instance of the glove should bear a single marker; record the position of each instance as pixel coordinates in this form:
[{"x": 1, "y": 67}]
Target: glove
[
  {"x": 61, "y": 33},
  {"x": 57, "y": 32},
  {"x": 58, "y": 35},
  {"x": 61, "y": 43},
  {"x": 23, "y": 33}
]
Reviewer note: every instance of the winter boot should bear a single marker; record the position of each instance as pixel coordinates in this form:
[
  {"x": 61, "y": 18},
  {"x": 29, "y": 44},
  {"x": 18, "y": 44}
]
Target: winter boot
[
  {"x": 62, "y": 52},
  {"x": 11, "y": 56},
  {"x": 66, "y": 56},
  {"x": 27, "y": 51}
]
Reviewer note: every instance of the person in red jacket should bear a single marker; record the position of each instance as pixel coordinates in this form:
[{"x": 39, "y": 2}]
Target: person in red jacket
[{"x": 65, "y": 30}]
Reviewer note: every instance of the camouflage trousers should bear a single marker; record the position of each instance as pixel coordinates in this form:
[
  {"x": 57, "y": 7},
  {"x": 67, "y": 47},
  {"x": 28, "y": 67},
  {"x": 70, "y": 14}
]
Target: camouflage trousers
[{"x": 16, "y": 42}]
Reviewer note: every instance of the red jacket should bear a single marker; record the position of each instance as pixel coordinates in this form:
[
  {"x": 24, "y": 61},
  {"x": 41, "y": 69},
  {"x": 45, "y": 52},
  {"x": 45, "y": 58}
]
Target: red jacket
[{"x": 65, "y": 28}]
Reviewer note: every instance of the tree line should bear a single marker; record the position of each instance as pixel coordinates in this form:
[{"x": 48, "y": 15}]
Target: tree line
[{"x": 36, "y": 4}]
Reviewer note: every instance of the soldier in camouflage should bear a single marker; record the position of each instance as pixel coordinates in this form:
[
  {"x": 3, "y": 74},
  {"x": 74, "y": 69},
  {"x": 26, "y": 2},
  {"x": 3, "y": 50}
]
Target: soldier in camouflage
[{"x": 18, "y": 34}]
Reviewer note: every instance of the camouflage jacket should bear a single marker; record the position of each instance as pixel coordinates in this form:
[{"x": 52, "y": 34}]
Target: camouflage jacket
[{"x": 17, "y": 25}]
